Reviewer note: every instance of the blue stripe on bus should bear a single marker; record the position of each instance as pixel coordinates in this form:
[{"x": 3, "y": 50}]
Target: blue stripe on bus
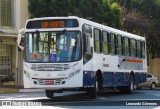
[
  {"x": 140, "y": 77},
  {"x": 89, "y": 78},
  {"x": 111, "y": 79}
]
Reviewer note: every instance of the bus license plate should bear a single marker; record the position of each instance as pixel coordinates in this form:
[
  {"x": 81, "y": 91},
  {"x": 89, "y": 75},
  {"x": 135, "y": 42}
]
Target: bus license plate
[{"x": 49, "y": 82}]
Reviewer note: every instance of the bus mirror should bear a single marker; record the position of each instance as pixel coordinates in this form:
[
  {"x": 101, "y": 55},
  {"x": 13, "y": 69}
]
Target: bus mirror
[{"x": 19, "y": 38}]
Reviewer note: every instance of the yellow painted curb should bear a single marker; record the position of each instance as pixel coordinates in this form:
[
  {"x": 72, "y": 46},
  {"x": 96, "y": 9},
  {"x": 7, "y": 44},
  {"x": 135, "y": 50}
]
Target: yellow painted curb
[{"x": 9, "y": 90}]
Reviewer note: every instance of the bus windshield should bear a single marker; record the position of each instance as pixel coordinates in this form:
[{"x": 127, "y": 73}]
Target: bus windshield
[{"x": 53, "y": 46}]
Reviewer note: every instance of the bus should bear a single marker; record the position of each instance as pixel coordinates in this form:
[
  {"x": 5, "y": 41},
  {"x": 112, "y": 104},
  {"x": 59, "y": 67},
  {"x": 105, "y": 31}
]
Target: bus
[{"x": 76, "y": 54}]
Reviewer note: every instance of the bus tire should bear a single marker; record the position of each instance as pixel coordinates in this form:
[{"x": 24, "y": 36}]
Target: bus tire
[
  {"x": 49, "y": 94},
  {"x": 130, "y": 88},
  {"x": 93, "y": 91},
  {"x": 122, "y": 90},
  {"x": 99, "y": 82}
]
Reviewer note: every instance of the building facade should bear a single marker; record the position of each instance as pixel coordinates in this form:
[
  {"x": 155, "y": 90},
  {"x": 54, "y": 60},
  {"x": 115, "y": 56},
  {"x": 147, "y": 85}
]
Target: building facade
[
  {"x": 13, "y": 15},
  {"x": 154, "y": 66}
]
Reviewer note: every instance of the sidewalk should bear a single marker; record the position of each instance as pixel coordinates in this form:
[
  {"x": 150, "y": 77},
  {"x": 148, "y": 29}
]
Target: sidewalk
[{"x": 14, "y": 89}]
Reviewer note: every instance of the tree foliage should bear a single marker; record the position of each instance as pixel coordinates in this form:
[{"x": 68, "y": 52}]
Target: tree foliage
[
  {"x": 101, "y": 11},
  {"x": 141, "y": 17}
]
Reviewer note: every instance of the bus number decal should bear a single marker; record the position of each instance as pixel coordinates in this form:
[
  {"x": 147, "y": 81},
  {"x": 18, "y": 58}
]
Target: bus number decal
[{"x": 105, "y": 65}]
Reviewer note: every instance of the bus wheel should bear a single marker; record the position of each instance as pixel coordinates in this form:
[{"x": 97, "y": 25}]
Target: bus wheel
[
  {"x": 99, "y": 82},
  {"x": 92, "y": 91},
  {"x": 130, "y": 88},
  {"x": 50, "y": 94}
]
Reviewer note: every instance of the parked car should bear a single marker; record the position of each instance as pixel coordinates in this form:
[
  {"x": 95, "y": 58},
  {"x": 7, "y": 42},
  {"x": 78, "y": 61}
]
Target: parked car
[{"x": 152, "y": 82}]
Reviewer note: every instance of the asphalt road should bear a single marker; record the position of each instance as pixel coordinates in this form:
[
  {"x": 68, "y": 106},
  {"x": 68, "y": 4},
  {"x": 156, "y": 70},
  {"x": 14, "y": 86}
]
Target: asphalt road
[{"x": 141, "y": 99}]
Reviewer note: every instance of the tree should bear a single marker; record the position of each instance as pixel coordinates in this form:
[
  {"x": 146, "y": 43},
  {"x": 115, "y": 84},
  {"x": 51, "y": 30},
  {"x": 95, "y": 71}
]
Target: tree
[
  {"x": 101, "y": 11},
  {"x": 48, "y": 8},
  {"x": 140, "y": 17}
]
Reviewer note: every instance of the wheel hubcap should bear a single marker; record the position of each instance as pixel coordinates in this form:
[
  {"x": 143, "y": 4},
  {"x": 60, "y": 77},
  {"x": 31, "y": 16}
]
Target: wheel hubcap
[
  {"x": 153, "y": 86},
  {"x": 132, "y": 84}
]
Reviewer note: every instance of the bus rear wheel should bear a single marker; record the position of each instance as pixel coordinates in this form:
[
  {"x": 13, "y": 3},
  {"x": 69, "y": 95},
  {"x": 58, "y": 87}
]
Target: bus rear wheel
[
  {"x": 130, "y": 88},
  {"x": 49, "y": 94}
]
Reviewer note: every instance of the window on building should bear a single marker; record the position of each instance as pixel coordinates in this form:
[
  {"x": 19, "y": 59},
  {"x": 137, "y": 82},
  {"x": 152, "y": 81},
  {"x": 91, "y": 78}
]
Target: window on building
[
  {"x": 97, "y": 40},
  {"x": 6, "y": 12},
  {"x": 105, "y": 39},
  {"x": 5, "y": 60}
]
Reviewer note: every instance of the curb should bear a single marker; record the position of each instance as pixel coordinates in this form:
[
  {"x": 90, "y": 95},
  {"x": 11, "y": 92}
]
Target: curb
[
  {"x": 31, "y": 90},
  {"x": 20, "y": 90},
  {"x": 9, "y": 90}
]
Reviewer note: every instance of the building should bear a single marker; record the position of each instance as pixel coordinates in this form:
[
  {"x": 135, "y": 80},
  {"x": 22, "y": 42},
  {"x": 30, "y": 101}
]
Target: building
[
  {"x": 13, "y": 15},
  {"x": 154, "y": 66}
]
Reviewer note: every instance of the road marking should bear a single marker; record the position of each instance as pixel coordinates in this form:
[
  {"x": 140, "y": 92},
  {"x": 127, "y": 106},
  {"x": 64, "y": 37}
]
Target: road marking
[
  {"x": 35, "y": 98},
  {"x": 102, "y": 98},
  {"x": 11, "y": 97}
]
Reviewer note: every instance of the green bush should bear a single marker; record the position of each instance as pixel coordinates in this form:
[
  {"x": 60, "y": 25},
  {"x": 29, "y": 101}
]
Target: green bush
[{"x": 5, "y": 79}]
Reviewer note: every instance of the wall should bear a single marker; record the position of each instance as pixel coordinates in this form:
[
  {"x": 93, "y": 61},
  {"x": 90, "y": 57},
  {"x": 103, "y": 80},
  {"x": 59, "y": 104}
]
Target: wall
[{"x": 154, "y": 66}]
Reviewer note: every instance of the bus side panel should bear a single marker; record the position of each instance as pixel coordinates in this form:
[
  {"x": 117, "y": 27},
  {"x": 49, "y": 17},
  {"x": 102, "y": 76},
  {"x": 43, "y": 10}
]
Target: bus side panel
[
  {"x": 108, "y": 79},
  {"x": 89, "y": 78},
  {"x": 140, "y": 77},
  {"x": 121, "y": 79},
  {"x": 111, "y": 79}
]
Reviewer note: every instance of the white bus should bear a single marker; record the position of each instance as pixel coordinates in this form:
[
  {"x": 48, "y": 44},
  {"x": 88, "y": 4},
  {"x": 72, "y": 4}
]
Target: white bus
[{"x": 72, "y": 53}]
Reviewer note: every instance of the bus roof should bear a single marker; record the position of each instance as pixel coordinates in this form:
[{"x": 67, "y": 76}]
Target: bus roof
[{"x": 94, "y": 24}]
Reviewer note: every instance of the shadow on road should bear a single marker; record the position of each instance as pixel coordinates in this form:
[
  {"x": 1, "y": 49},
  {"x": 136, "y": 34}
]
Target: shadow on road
[{"x": 84, "y": 96}]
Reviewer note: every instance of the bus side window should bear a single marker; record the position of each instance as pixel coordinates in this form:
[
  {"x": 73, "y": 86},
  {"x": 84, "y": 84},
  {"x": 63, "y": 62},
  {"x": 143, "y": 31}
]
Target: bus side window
[
  {"x": 138, "y": 49},
  {"x": 133, "y": 47},
  {"x": 113, "y": 44},
  {"x": 126, "y": 46},
  {"x": 105, "y": 43},
  {"x": 87, "y": 50},
  {"x": 143, "y": 49},
  {"x": 87, "y": 43},
  {"x": 97, "y": 40},
  {"x": 119, "y": 45}
]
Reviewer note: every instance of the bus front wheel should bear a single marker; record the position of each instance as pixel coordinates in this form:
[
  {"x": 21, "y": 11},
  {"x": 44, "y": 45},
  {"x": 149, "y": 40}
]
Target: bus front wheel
[
  {"x": 50, "y": 94},
  {"x": 93, "y": 91}
]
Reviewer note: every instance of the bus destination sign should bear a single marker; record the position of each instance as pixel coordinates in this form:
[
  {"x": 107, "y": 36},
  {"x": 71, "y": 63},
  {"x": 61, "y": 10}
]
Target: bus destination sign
[{"x": 52, "y": 23}]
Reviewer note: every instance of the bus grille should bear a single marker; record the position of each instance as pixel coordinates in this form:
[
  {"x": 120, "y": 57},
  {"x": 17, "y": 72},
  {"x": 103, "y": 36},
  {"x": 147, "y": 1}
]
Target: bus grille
[{"x": 50, "y": 67}]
